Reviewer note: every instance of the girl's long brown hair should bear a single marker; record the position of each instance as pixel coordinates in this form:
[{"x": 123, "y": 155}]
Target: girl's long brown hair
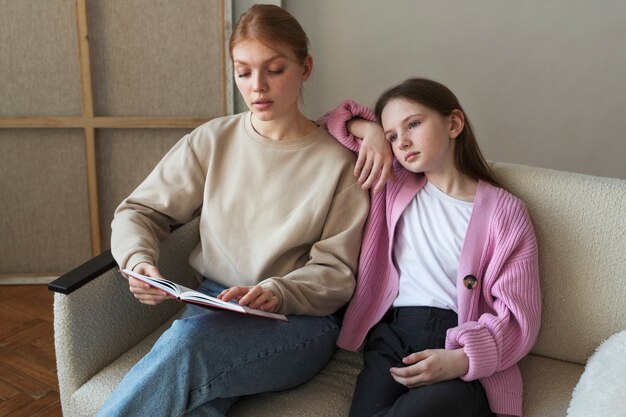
[{"x": 467, "y": 156}]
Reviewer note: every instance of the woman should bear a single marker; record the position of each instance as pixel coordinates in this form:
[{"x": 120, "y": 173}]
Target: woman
[{"x": 281, "y": 219}]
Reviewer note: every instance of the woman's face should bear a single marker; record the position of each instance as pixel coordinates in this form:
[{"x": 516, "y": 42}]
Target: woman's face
[
  {"x": 269, "y": 79},
  {"x": 421, "y": 138}
]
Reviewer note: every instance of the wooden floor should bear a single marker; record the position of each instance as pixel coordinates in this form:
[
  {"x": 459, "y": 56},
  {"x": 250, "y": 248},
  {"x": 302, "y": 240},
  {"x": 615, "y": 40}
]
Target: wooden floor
[{"x": 28, "y": 382}]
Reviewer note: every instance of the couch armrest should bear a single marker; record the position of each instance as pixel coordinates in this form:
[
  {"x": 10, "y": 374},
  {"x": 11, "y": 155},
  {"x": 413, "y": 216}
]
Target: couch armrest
[
  {"x": 83, "y": 274},
  {"x": 600, "y": 391},
  {"x": 96, "y": 318},
  {"x": 96, "y": 324}
]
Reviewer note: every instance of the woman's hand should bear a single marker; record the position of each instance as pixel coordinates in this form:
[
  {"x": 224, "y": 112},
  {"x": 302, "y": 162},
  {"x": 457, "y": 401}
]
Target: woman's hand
[
  {"x": 375, "y": 161},
  {"x": 431, "y": 366},
  {"x": 142, "y": 291},
  {"x": 253, "y": 297}
]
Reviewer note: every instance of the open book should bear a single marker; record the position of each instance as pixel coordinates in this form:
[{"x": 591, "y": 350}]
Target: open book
[{"x": 187, "y": 295}]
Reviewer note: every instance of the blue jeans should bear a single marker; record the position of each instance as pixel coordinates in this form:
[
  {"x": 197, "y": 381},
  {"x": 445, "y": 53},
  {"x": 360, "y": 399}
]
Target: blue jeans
[{"x": 209, "y": 358}]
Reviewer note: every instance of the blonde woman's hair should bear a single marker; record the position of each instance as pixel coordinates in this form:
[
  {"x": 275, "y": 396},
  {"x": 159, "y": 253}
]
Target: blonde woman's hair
[{"x": 270, "y": 25}]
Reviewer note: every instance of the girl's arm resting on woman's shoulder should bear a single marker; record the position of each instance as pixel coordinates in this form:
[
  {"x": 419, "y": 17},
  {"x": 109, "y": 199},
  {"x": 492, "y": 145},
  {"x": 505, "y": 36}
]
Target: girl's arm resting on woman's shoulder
[
  {"x": 353, "y": 125},
  {"x": 375, "y": 161},
  {"x": 337, "y": 119}
]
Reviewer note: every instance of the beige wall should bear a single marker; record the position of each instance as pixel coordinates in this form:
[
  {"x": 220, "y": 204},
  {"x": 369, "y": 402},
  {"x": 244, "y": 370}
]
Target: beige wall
[{"x": 543, "y": 82}]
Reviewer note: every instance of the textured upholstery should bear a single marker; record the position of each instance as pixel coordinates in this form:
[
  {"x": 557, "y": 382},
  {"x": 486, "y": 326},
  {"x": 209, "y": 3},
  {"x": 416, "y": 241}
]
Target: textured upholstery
[{"x": 100, "y": 330}]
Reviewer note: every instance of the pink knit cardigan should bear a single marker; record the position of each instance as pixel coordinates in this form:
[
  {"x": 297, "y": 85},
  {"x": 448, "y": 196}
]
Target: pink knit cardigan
[{"x": 498, "y": 319}]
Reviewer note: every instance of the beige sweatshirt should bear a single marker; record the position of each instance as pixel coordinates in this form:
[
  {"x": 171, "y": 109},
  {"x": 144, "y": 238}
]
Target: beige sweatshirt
[{"x": 286, "y": 214}]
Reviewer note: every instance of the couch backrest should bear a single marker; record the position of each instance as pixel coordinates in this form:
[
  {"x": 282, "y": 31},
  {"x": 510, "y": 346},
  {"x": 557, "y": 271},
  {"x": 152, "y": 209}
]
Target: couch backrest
[
  {"x": 580, "y": 223},
  {"x": 178, "y": 245}
]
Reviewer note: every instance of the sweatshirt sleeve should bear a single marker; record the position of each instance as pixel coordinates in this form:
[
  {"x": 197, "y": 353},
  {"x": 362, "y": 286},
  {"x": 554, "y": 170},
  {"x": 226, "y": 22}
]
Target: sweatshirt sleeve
[
  {"x": 171, "y": 194},
  {"x": 336, "y": 120},
  {"x": 504, "y": 334},
  {"x": 326, "y": 282}
]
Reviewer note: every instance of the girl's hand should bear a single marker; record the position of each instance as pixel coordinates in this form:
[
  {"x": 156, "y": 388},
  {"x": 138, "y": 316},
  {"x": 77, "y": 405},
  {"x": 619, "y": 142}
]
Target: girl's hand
[
  {"x": 431, "y": 366},
  {"x": 142, "y": 291},
  {"x": 375, "y": 161},
  {"x": 253, "y": 297}
]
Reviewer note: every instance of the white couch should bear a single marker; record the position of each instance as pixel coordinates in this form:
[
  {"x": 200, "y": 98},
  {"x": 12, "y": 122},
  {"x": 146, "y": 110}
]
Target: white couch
[{"x": 580, "y": 221}]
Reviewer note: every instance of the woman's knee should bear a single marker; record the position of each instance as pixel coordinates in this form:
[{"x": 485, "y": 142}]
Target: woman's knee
[{"x": 185, "y": 334}]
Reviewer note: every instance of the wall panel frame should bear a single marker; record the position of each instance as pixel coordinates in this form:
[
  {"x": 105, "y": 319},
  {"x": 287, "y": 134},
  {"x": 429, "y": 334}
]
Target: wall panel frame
[{"x": 97, "y": 110}]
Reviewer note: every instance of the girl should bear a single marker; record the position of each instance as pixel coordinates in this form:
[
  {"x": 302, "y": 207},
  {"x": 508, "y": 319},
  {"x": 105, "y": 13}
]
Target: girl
[
  {"x": 281, "y": 219},
  {"x": 447, "y": 299}
]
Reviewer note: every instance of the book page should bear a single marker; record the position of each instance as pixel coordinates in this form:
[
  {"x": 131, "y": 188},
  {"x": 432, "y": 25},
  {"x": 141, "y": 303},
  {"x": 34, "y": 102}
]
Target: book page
[
  {"x": 204, "y": 299},
  {"x": 163, "y": 284},
  {"x": 188, "y": 295},
  {"x": 201, "y": 298},
  {"x": 262, "y": 313}
]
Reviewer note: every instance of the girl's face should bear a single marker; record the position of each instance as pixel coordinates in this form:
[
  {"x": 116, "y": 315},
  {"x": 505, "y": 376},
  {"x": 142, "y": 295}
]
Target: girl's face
[
  {"x": 421, "y": 138},
  {"x": 269, "y": 79}
]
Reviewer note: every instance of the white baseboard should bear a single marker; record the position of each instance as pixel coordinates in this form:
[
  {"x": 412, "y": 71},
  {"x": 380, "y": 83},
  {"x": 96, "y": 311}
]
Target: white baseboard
[{"x": 26, "y": 280}]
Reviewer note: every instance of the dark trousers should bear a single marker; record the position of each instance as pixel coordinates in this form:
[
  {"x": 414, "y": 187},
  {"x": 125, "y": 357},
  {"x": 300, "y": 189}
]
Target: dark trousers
[{"x": 403, "y": 331}]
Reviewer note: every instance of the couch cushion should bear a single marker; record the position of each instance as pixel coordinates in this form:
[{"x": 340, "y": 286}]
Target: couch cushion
[
  {"x": 327, "y": 395},
  {"x": 87, "y": 400},
  {"x": 548, "y": 385}
]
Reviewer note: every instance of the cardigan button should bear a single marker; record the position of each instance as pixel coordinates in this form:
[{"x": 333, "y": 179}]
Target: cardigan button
[{"x": 470, "y": 282}]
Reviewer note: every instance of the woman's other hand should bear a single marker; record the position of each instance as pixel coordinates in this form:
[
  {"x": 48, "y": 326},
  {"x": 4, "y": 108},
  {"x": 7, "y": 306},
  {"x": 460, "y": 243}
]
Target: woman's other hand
[
  {"x": 375, "y": 161},
  {"x": 253, "y": 297},
  {"x": 142, "y": 291},
  {"x": 431, "y": 366}
]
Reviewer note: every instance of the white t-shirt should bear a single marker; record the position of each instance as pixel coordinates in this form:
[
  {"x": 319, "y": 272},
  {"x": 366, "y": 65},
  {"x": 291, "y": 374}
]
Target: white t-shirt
[{"x": 427, "y": 246}]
